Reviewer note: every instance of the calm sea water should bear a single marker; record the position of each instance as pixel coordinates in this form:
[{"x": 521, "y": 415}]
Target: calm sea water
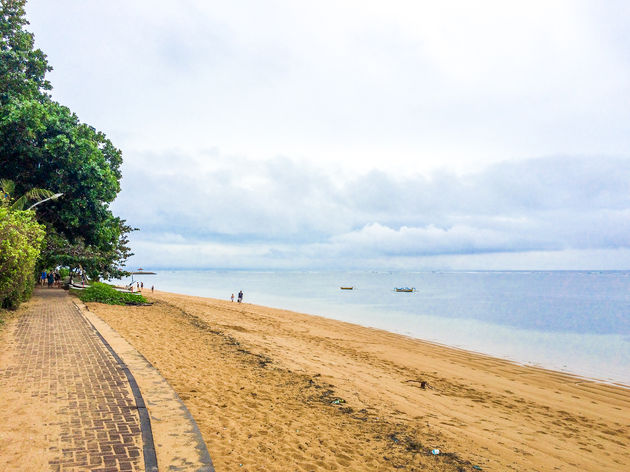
[{"x": 571, "y": 321}]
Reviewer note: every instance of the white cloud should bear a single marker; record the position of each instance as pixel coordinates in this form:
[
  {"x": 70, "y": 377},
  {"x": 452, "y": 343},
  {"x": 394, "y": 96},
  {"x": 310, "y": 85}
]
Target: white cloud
[
  {"x": 407, "y": 127},
  {"x": 457, "y": 239},
  {"x": 358, "y": 85},
  {"x": 288, "y": 215}
]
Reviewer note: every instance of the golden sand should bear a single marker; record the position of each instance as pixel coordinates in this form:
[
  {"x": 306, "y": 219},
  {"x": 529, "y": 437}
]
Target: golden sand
[{"x": 275, "y": 390}]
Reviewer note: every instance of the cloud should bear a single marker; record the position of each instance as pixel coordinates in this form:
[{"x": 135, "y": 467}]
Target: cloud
[
  {"x": 429, "y": 240},
  {"x": 394, "y": 133},
  {"x": 284, "y": 213},
  {"x": 416, "y": 85}
]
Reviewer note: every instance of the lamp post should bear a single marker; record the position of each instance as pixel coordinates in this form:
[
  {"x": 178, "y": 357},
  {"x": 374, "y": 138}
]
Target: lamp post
[{"x": 54, "y": 197}]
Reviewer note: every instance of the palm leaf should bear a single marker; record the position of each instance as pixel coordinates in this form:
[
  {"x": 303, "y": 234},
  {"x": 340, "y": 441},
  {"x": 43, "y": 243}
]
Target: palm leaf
[
  {"x": 38, "y": 194},
  {"x": 8, "y": 188},
  {"x": 19, "y": 204}
]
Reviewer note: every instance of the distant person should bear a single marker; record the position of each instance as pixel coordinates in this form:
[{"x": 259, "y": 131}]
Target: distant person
[
  {"x": 240, "y": 296},
  {"x": 232, "y": 298},
  {"x": 43, "y": 279},
  {"x": 141, "y": 284},
  {"x": 152, "y": 287},
  {"x": 51, "y": 279},
  {"x": 57, "y": 278}
]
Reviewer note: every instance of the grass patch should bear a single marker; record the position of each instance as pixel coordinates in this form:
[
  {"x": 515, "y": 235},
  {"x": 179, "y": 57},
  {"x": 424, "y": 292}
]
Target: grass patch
[{"x": 103, "y": 293}]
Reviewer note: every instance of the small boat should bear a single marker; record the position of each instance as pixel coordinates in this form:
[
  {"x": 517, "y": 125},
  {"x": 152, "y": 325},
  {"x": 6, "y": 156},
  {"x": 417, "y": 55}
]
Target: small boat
[
  {"x": 346, "y": 288},
  {"x": 405, "y": 289}
]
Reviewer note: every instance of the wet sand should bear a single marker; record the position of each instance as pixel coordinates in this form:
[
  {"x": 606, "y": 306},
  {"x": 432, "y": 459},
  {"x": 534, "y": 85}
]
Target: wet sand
[{"x": 281, "y": 391}]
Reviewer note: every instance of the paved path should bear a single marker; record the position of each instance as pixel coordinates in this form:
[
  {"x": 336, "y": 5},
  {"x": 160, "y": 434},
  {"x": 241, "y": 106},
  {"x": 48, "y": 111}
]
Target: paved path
[
  {"x": 59, "y": 360},
  {"x": 179, "y": 445}
]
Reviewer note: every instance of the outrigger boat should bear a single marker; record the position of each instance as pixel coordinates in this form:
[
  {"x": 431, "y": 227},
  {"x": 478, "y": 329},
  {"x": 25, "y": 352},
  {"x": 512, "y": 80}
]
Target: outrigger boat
[{"x": 405, "y": 289}]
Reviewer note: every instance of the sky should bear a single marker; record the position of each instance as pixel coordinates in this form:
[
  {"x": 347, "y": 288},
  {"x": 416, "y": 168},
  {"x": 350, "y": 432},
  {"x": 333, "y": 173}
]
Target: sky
[{"x": 359, "y": 135}]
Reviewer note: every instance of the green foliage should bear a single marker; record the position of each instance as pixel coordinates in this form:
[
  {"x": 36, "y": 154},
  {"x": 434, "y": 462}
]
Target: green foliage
[
  {"x": 7, "y": 195},
  {"x": 64, "y": 272},
  {"x": 103, "y": 293},
  {"x": 21, "y": 239},
  {"x": 43, "y": 145},
  {"x": 22, "y": 68}
]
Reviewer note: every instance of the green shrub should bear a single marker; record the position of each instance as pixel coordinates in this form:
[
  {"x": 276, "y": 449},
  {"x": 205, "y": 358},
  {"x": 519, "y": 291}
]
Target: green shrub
[
  {"x": 103, "y": 293},
  {"x": 64, "y": 272},
  {"x": 21, "y": 239}
]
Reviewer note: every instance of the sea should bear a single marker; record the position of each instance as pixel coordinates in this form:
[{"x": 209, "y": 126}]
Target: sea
[{"x": 571, "y": 321}]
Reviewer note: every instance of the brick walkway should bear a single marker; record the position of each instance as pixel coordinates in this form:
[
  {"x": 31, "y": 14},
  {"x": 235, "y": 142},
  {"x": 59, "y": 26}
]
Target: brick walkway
[{"x": 59, "y": 358}]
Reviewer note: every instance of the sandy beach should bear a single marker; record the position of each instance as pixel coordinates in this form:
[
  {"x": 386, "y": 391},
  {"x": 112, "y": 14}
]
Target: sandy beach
[{"x": 277, "y": 390}]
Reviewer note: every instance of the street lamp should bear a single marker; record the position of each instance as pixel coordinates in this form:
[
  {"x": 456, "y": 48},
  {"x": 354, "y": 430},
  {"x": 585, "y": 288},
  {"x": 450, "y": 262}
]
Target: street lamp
[{"x": 54, "y": 197}]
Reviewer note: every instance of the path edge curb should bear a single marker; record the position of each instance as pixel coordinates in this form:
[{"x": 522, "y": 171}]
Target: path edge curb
[
  {"x": 203, "y": 460},
  {"x": 148, "y": 446}
]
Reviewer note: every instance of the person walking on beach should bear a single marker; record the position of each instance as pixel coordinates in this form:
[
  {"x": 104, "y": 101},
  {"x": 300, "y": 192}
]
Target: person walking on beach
[
  {"x": 240, "y": 296},
  {"x": 232, "y": 298},
  {"x": 152, "y": 287}
]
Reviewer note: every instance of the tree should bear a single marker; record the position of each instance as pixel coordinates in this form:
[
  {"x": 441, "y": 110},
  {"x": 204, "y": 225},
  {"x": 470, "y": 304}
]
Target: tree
[
  {"x": 22, "y": 68},
  {"x": 44, "y": 145}
]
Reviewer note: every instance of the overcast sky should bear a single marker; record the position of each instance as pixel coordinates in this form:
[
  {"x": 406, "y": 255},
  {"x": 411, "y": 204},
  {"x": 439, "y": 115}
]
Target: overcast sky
[{"x": 357, "y": 134}]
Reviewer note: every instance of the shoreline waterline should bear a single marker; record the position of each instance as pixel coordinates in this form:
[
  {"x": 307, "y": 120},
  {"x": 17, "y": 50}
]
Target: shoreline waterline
[
  {"x": 569, "y": 374},
  {"x": 575, "y": 322}
]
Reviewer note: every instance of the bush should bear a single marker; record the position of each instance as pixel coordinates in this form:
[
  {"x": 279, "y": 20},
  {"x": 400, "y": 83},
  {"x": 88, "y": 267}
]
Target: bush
[
  {"x": 21, "y": 239},
  {"x": 103, "y": 293}
]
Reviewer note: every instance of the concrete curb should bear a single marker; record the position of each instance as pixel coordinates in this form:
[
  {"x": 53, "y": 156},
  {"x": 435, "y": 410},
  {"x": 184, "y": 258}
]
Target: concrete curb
[
  {"x": 179, "y": 445},
  {"x": 148, "y": 447}
]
